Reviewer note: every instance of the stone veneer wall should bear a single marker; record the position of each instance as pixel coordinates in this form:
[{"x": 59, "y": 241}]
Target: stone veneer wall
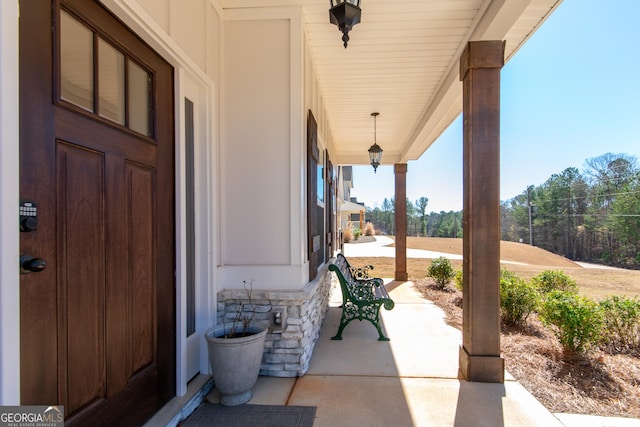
[{"x": 287, "y": 351}]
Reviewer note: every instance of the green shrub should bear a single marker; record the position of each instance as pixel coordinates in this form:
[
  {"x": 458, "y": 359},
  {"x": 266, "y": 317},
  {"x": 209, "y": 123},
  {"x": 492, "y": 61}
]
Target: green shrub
[
  {"x": 621, "y": 331},
  {"x": 575, "y": 320},
  {"x": 554, "y": 280},
  {"x": 441, "y": 271},
  {"x": 356, "y": 233},
  {"x": 518, "y": 298},
  {"x": 507, "y": 275},
  {"x": 457, "y": 280}
]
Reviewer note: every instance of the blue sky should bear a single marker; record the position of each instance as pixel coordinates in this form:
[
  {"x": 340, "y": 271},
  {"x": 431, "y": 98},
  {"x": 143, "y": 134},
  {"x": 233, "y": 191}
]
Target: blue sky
[{"x": 571, "y": 93}]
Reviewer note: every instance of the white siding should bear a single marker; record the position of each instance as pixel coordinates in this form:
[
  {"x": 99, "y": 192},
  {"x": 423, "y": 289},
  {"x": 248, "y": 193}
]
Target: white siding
[
  {"x": 256, "y": 143},
  {"x": 187, "y": 27}
]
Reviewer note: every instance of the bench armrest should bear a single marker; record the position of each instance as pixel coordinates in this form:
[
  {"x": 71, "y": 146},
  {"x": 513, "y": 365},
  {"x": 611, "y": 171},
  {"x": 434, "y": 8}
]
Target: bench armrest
[{"x": 361, "y": 272}]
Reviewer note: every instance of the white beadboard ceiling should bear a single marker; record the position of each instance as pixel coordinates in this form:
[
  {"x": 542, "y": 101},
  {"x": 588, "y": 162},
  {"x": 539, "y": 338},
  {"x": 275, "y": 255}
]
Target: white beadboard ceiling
[{"x": 403, "y": 62}]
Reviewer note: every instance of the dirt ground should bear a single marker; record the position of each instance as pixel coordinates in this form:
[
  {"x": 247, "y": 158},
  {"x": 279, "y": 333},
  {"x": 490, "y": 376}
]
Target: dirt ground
[
  {"x": 524, "y": 260},
  {"x": 600, "y": 384}
]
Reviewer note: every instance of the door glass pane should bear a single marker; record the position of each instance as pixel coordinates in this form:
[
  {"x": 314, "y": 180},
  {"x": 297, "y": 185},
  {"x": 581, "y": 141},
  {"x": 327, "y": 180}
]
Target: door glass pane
[
  {"x": 139, "y": 99},
  {"x": 110, "y": 82},
  {"x": 76, "y": 62},
  {"x": 191, "y": 233}
]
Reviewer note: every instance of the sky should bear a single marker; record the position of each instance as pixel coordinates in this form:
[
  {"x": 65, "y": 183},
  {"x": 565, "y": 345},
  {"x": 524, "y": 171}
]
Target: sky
[{"x": 571, "y": 93}]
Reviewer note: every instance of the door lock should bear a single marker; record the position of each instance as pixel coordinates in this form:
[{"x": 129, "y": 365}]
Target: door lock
[
  {"x": 28, "y": 216},
  {"x": 30, "y": 264}
]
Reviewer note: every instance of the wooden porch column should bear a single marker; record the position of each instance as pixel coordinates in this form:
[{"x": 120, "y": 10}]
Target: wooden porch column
[
  {"x": 400, "y": 170},
  {"x": 480, "y": 66}
]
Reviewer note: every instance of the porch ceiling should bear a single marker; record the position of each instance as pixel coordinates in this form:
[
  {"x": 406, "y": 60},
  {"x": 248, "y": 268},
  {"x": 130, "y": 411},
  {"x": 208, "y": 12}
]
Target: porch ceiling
[{"x": 403, "y": 62}]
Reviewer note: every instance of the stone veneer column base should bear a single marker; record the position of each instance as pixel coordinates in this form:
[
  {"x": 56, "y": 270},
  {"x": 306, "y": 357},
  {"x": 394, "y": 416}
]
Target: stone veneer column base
[
  {"x": 485, "y": 369},
  {"x": 287, "y": 350}
]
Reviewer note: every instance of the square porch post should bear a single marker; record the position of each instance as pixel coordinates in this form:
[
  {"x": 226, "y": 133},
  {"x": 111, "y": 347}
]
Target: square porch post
[
  {"x": 480, "y": 66},
  {"x": 400, "y": 171}
]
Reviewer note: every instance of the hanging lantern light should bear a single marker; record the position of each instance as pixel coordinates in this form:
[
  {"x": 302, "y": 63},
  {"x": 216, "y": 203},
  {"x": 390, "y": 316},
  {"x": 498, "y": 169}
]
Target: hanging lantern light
[
  {"x": 375, "y": 152},
  {"x": 345, "y": 14}
]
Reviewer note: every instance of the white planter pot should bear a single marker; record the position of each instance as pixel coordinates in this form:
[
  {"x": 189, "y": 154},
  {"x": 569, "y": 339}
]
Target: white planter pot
[{"x": 235, "y": 362}]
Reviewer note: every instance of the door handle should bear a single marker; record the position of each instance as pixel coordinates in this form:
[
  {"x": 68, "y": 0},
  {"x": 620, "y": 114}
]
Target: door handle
[{"x": 30, "y": 264}]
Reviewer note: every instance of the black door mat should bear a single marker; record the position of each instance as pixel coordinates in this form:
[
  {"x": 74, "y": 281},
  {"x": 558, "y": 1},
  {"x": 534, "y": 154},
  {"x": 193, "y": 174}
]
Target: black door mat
[{"x": 209, "y": 414}]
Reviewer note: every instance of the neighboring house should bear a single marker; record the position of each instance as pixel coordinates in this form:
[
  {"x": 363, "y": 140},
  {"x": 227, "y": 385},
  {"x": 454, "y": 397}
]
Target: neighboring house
[
  {"x": 357, "y": 211},
  {"x": 345, "y": 177},
  {"x": 348, "y": 207},
  {"x": 171, "y": 149}
]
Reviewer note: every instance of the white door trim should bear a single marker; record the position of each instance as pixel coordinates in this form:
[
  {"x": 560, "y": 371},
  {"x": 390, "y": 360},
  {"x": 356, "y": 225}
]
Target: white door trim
[
  {"x": 192, "y": 351},
  {"x": 9, "y": 199}
]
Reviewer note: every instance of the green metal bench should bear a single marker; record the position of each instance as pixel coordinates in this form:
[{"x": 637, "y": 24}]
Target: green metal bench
[{"x": 362, "y": 296}]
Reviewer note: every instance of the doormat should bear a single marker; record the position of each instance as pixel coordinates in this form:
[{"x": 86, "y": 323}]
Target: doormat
[{"x": 209, "y": 414}]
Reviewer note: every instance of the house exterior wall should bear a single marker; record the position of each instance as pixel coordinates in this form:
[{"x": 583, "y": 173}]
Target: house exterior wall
[
  {"x": 194, "y": 27},
  {"x": 255, "y": 155},
  {"x": 159, "y": 11},
  {"x": 264, "y": 84},
  {"x": 256, "y": 83},
  {"x": 268, "y": 86},
  {"x": 313, "y": 101},
  {"x": 186, "y": 24}
]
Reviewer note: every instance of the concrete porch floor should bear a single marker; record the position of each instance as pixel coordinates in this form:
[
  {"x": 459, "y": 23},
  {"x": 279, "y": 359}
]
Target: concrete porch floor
[{"x": 411, "y": 380}]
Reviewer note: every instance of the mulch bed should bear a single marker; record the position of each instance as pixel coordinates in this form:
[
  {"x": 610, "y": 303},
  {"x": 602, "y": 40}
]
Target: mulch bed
[
  {"x": 363, "y": 239},
  {"x": 599, "y": 384}
]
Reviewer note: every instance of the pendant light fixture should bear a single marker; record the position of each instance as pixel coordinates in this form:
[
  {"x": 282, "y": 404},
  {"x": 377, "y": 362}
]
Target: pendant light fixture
[
  {"x": 375, "y": 152},
  {"x": 345, "y": 14}
]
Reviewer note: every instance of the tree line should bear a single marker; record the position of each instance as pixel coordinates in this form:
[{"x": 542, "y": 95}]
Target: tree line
[
  {"x": 589, "y": 215},
  {"x": 419, "y": 222}
]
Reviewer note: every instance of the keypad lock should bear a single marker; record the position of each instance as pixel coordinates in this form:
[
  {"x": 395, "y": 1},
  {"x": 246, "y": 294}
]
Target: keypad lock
[{"x": 28, "y": 216}]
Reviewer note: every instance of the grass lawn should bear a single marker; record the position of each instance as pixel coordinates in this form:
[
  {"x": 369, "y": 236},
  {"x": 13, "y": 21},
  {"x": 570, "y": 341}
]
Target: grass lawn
[{"x": 524, "y": 260}]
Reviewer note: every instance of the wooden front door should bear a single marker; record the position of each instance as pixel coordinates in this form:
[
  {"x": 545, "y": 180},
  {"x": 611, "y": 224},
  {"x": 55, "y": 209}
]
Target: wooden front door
[{"x": 97, "y": 164}]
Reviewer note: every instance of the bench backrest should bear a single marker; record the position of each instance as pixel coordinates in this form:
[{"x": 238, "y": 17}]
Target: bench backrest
[{"x": 342, "y": 265}]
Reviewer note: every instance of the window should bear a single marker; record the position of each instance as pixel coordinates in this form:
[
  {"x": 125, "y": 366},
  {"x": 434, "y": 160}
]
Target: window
[
  {"x": 76, "y": 63},
  {"x": 99, "y": 78},
  {"x": 320, "y": 179}
]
